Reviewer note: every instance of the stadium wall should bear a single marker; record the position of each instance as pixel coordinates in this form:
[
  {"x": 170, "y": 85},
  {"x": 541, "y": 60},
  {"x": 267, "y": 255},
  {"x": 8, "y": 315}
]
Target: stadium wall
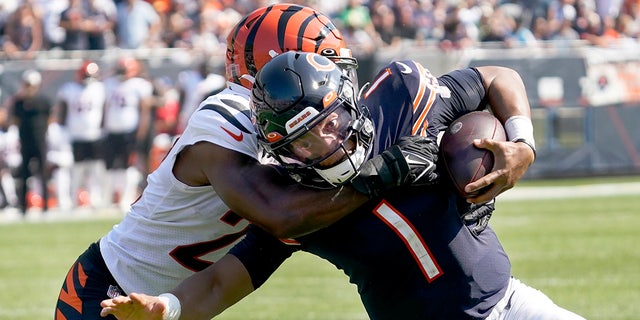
[{"x": 585, "y": 100}]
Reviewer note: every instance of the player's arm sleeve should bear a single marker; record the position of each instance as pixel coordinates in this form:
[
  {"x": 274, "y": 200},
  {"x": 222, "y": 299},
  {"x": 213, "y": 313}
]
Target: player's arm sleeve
[
  {"x": 467, "y": 90},
  {"x": 261, "y": 254},
  {"x": 467, "y": 94}
]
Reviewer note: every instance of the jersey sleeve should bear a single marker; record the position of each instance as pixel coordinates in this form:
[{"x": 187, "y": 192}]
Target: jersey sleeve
[
  {"x": 466, "y": 94},
  {"x": 399, "y": 100},
  {"x": 224, "y": 122},
  {"x": 261, "y": 254}
]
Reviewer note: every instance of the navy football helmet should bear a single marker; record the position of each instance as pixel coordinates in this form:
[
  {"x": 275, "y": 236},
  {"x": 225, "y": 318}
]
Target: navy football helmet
[{"x": 308, "y": 119}]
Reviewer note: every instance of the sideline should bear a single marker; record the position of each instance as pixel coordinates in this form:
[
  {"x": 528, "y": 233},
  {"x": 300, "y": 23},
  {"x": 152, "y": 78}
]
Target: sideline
[
  {"x": 577, "y": 191},
  {"x": 12, "y": 215}
]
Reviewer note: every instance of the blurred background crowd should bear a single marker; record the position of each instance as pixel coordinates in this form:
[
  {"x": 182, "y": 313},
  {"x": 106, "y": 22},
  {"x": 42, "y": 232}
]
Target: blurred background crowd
[
  {"x": 57, "y": 134},
  {"x": 28, "y": 26}
]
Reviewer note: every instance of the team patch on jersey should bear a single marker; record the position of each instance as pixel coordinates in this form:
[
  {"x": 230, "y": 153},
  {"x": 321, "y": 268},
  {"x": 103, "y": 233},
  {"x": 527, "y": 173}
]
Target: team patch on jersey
[{"x": 113, "y": 292}]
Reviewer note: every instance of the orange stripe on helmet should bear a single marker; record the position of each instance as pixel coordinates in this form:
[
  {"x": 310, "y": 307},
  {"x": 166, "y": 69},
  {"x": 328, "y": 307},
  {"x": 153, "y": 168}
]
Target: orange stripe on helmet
[{"x": 277, "y": 28}]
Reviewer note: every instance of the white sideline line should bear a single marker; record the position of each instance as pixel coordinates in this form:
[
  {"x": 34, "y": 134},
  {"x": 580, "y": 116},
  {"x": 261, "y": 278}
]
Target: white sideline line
[
  {"x": 9, "y": 216},
  {"x": 579, "y": 191}
]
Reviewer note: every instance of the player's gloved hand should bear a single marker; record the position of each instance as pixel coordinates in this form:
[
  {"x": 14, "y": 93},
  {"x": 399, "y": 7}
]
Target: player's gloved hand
[
  {"x": 411, "y": 161},
  {"x": 476, "y": 216},
  {"x": 421, "y": 155}
]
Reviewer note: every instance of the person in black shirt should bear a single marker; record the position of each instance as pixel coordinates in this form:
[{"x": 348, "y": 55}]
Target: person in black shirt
[{"x": 30, "y": 110}]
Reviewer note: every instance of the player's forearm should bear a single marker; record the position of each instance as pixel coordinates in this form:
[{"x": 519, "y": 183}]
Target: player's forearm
[
  {"x": 213, "y": 290},
  {"x": 508, "y": 99},
  {"x": 281, "y": 206},
  {"x": 314, "y": 210}
]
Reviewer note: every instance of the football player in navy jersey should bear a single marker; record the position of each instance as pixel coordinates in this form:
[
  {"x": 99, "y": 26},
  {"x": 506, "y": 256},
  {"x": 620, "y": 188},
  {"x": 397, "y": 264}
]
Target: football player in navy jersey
[
  {"x": 407, "y": 250},
  {"x": 194, "y": 207}
]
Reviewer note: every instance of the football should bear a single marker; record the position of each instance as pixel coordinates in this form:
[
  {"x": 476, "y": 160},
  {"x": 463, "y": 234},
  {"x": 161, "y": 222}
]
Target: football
[{"x": 464, "y": 162}]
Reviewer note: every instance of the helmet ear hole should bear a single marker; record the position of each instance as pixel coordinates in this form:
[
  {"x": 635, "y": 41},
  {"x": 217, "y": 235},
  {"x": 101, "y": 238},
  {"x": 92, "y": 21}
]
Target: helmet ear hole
[{"x": 308, "y": 103}]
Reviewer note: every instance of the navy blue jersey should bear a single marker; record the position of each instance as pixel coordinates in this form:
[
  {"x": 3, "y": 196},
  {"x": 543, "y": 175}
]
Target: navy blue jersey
[{"x": 408, "y": 253}]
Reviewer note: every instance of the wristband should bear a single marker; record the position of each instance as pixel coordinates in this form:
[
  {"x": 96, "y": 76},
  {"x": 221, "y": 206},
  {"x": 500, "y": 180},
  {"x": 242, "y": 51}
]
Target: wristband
[
  {"x": 173, "y": 308},
  {"x": 523, "y": 140},
  {"x": 520, "y": 129}
]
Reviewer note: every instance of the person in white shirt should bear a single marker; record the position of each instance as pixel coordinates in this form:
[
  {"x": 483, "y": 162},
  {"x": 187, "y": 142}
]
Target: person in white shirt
[
  {"x": 80, "y": 109},
  {"x": 126, "y": 121}
]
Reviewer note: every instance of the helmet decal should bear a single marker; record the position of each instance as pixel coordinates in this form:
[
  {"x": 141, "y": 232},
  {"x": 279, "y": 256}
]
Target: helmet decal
[
  {"x": 308, "y": 119},
  {"x": 329, "y": 98},
  {"x": 301, "y": 119},
  {"x": 321, "y": 64}
]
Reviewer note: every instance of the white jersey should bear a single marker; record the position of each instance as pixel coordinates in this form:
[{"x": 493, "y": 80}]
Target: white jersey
[
  {"x": 122, "y": 113},
  {"x": 85, "y": 108},
  {"x": 174, "y": 229}
]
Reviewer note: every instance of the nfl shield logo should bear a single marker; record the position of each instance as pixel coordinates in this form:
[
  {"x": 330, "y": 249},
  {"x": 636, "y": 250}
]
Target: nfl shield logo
[{"x": 113, "y": 292}]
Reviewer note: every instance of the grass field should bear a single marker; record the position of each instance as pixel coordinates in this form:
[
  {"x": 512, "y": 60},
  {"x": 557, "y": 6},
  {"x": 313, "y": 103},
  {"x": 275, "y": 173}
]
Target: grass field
[{"x": 582, "y": 252}]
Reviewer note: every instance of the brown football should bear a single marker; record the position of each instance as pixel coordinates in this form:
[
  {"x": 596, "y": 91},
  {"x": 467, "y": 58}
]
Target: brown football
[{"x": 463, "y": 161}]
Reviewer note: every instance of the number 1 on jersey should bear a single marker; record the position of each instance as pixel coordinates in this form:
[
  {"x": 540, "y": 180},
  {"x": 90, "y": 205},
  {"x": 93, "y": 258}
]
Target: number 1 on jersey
[{"x": 414, "y": 242}]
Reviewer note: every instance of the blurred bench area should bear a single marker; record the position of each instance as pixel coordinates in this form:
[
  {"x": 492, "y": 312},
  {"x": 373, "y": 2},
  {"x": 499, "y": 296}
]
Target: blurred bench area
[{"x": 585, "y": 99}]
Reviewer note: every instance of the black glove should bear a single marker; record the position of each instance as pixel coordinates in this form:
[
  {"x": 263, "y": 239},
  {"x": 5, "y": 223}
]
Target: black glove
[
  {"x": 409, "y": 162},
  {"x": 476, "y": 216},
  {"x": 421, "y": 155}
]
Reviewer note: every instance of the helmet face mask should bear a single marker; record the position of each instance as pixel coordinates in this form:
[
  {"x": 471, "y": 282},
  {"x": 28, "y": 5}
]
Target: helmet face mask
[
  {"x": 279, "y": 28},
  {"x": 308, "y": 119}
]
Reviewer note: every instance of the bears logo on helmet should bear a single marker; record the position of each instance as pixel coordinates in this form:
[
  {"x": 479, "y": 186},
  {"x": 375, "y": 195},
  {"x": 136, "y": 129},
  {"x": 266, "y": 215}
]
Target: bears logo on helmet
[
  {"x": 279, "y": 28},
  {"x": 298, "y": 94}
]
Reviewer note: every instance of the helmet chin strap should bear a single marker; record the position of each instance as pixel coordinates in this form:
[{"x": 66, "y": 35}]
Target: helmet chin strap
[{"x": 344, "y": 171}]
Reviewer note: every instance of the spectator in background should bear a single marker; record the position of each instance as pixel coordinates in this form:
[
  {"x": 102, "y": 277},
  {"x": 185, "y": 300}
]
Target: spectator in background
[
  {"x": 138, "y": 25},
  {"x": 30, "y": 110},
  {"x": 499, "y": 27},
  {"x": 455, "y": 34},
  {"x": 355, "y": 14},
  {"x": 426, "y": 20},
  {"x": 23, "y": 37},
  {"x": 214, "y": 26},
  {"x": 384, "y": 22},
  {"x": 100, "y": 21},
  {"x": 79, "y": 109},
  {"x": 54, "y": 34},
  {"x": 7, "y": 7},
  {"x": 73, "y": 21},
  {"x": 179, "y": 27},
  {"x": 88, "y": 24},
  {"x": 565, "y": 35},
  {"x": 522, "y": 36},
  {"x": 405, "y": 22}
]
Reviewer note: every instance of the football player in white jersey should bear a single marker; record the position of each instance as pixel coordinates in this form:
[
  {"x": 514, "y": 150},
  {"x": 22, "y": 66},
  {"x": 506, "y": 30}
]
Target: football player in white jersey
[
  {"x": 80, "y": 109},
  {"x": 198, "y": 203},
  {"x": 126, "y": 121}
]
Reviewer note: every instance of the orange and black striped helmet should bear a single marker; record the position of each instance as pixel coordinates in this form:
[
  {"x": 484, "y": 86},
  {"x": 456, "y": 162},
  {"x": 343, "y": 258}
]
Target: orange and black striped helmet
[{"x": 279, "y": 28}]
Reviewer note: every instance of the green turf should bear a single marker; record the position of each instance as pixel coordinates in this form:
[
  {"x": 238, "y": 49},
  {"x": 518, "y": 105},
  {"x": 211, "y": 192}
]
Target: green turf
[{"x": 582, "y": 252}]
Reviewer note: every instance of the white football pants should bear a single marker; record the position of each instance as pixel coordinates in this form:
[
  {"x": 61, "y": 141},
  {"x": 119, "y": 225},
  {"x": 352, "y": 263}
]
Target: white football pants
[{"x": 522, "y": 302}]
